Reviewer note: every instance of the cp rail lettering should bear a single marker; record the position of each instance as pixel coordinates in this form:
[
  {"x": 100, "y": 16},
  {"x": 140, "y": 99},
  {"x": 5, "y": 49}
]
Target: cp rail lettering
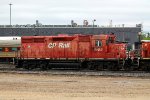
[{"x": 60, "y": 45}]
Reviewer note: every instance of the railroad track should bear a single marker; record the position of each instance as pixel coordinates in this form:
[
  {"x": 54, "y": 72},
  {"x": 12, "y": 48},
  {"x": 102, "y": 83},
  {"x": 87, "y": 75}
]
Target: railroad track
[{"x": 9, "y": 68}]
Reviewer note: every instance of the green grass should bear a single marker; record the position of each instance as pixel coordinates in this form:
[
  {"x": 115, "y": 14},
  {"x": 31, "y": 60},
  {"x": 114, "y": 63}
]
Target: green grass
[{"x": 148, "y": 38}]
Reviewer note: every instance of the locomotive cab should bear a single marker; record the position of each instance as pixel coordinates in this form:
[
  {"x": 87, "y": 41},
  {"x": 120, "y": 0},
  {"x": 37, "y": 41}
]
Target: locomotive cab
[
  {"x": 107, "y": 52},
  {"x": 106, "y": 44},
  {"x": 101, "y": 42}
]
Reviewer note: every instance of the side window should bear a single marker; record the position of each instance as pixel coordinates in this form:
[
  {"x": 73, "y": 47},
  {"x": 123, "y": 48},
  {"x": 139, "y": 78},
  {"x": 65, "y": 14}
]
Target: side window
[
  {"x": 6, "y": 49},
  {"x": 14, "y": 49},
  {"x": 1, "y": 49},
  {"x": 98, "y": 43}
]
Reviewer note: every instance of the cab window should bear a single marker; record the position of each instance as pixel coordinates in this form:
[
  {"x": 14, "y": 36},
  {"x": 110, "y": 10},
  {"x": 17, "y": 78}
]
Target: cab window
[
  {"x": 1, "y": 49},
  {"x": 98, "y": 43},
  {"x": 14, "y": 49},
  {"x": 110, "y": 40}
]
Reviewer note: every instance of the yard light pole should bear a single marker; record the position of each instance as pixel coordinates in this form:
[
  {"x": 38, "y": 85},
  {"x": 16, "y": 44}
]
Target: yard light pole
[{"x": 10, "y": 12}]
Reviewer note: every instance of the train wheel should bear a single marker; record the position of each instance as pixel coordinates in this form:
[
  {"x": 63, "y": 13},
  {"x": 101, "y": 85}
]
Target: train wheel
[
  {"x": 25, "y": 65},
  {"x": 128, "y": 65},
  {"x": 79, "y": 66},
  {"x": 90, "y": 66},
  {"x": 99, "y": 67},
  {"x": 83, "y": 65},
  {"x": 43, "y": 66},
  {"x": 107, "y": 66},
  {"x": 19, "y": 64},
  {"x": 127, "y": 68},
  {"x": 49, "y": 67},
  {"x": 112, "y": 66},
  {"x": 147, "y": 68},
  {"x": 115, "y": 67},
  {"x": 32, "y": 66}
]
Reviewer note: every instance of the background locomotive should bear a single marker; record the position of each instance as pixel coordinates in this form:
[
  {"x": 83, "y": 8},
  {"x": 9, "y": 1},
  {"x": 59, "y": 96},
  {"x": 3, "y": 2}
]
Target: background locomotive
[{"x": 142, "y": 56}]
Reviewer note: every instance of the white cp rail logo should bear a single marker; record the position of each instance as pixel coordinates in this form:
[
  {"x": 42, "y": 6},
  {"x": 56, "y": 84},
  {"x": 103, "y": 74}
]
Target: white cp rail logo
[
  {"x": 60, "y": 45},
  {"x": 51, "y": 45}
]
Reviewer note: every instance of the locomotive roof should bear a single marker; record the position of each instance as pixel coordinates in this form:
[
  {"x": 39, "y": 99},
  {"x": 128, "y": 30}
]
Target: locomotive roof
[{"x": 101, "y": 36}]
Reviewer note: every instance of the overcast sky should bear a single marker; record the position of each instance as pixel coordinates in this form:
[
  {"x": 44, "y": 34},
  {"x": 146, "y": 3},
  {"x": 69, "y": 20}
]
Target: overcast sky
[{"x": 128, "y": 12}]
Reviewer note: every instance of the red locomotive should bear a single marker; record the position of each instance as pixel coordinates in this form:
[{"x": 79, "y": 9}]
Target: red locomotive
[
  {"x": 145, "y": 51},
  {"x": 81, "y": 51},
  {"x": 144, "y": 58},
  {"x": 139, "y": 59}
]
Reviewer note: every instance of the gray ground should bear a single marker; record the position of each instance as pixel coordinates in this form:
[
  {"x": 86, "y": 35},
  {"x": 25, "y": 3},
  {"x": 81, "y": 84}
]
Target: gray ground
[{"x": 72, "y": 87}]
